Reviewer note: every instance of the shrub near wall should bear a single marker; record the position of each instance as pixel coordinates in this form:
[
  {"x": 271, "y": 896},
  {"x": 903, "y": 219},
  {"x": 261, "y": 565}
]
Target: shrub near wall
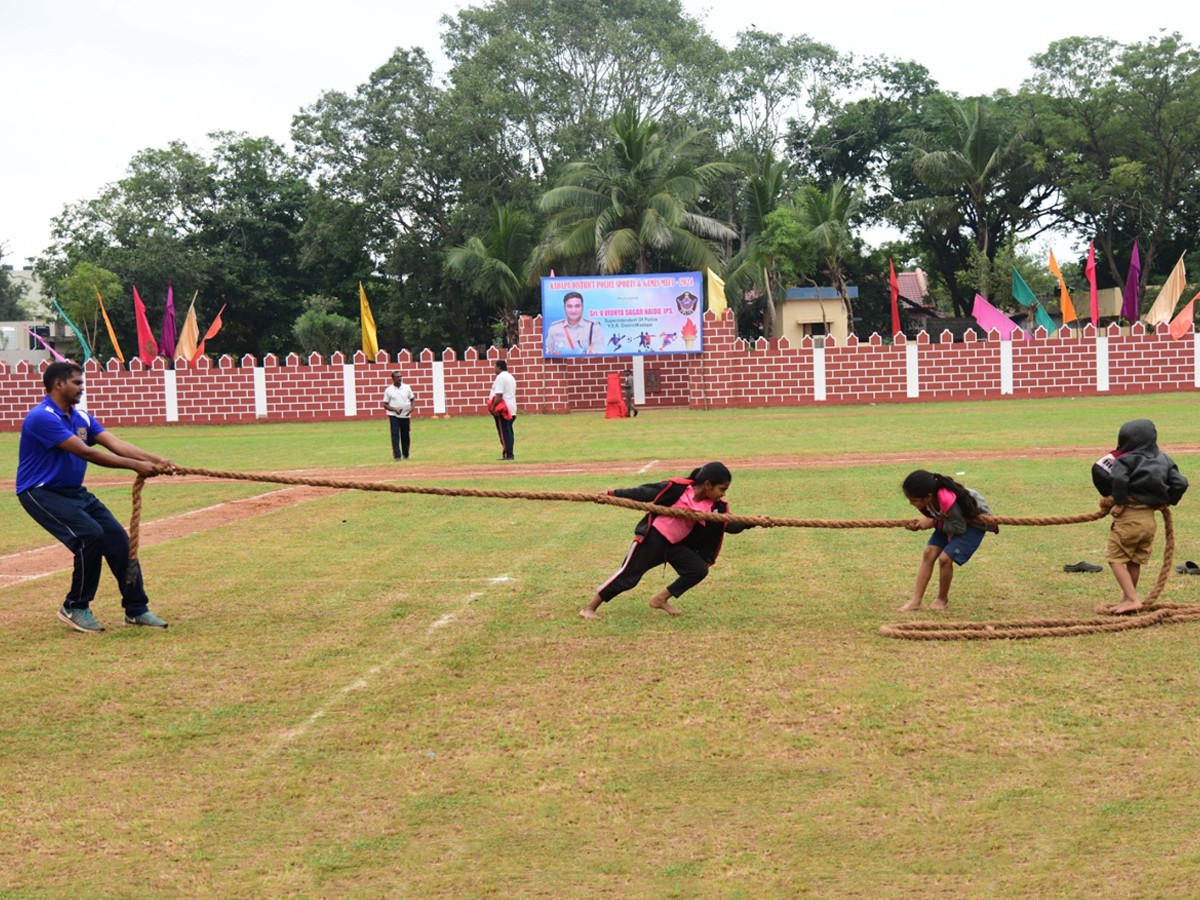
[{"x": 730, "y": 373}]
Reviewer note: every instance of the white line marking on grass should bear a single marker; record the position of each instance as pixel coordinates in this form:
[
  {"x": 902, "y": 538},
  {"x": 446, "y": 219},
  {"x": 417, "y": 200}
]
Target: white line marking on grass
[
  {"x": 363, "y": 681},
  {"x": 647, "y": 467}
]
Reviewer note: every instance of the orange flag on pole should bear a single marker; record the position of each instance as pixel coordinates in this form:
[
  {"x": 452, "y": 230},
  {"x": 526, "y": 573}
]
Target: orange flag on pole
[
  {"x": 1064, "y": 297},
  {"x": 112, "y": 335},
  {"x": 212, "y": 331},
  {"x": 1182, "y": 324},
  {"x": 147, "y": 346}
]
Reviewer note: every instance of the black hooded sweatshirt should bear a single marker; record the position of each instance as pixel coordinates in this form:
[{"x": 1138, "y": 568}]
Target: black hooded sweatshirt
[{"x": 1137, "y": 470}]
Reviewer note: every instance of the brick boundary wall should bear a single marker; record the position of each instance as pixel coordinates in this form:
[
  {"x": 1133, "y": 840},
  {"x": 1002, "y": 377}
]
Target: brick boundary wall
[{"x": 730, "y": 373}]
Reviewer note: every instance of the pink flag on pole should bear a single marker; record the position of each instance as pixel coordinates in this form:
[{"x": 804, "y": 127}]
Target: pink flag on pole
[
  {"x": 147, "y": 346},
  {"x": 1133, "y": 284},
  {"x": 1091, "y": 277},
  {"x": 991, "y": 319},
  {"x": 58, "y": 356}
]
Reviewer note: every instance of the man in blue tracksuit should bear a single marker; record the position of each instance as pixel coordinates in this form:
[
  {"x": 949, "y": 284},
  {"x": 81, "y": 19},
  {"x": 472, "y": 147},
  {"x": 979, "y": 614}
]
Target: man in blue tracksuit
[{"x": 58, "y": 440}]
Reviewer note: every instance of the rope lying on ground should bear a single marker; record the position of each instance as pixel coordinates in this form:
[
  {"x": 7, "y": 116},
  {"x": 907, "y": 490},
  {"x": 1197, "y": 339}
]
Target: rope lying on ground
[{"x": 928, "y": 631}]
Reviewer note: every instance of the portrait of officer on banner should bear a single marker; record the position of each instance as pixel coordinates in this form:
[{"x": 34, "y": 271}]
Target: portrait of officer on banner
[{"x": 575, "y": 335}]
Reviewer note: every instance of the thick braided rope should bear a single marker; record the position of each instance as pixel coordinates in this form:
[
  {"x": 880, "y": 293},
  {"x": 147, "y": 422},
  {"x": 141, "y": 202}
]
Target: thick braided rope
[
  {"x": 906, "y": 630},
  {"x": 1152, "y": 613}
]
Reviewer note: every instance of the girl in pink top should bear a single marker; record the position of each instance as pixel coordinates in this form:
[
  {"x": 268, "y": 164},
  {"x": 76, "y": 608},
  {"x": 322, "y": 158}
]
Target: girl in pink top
[
  {"x": 688, "y": 547},
  {"x": 953, "y": 512}
]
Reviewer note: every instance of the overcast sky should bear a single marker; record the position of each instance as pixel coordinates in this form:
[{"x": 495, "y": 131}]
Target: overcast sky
[{"x": 89, "y": 83}]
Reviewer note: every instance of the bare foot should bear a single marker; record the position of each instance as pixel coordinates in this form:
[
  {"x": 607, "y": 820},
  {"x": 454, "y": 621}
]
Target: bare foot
[
  {"x": 591, "y": 614},
  {"x": 940, "y": 603},
  {"x": 1127, "y": 606},
  {"x": 911, "y": 606},
  {"x": 664, "y": 605}
]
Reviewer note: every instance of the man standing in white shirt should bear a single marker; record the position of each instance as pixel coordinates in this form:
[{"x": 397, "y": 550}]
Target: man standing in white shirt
[
  {"x": 398, "y": 400},
  {"x": 502, "y": 404}
]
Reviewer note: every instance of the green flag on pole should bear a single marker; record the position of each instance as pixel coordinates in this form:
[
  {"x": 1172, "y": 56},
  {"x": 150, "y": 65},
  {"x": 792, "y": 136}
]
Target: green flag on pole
[
  {"x": 1021, "y": 292},
  {"x": 87, "y": 351},
  {"x": 1043, "y": 319}
]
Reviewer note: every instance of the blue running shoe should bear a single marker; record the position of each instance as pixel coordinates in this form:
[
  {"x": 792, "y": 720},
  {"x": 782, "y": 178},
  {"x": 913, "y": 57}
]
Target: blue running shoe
[
  {"x": 80, "y": 620},
  {"x": 149, "y": 619}
]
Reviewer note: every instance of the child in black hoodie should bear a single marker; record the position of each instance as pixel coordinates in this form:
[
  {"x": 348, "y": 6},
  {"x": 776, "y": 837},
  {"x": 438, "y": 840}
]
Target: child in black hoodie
[{"x": 1140, "y": 478}]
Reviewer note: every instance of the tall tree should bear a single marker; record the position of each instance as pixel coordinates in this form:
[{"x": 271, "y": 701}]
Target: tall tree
[
  {"x": 1123, "y": 122},
  {"x": 392, "y": 164},
  {"x": 976, "y": 169},
  {"x": 636, "y": 208},
  {"x": 553, "y": 72}
]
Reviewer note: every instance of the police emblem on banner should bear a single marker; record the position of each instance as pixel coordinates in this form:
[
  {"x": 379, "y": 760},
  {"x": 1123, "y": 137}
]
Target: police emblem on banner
[{"x": 686, "y": 303}]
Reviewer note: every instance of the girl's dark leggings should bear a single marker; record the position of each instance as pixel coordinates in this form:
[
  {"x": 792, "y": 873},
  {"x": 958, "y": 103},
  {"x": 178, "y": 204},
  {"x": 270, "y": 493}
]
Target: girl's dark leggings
[{"x": 654, "y": 550}]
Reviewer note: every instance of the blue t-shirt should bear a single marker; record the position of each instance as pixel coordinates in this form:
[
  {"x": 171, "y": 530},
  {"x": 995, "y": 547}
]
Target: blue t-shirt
[{"x": 39, "y": 461}]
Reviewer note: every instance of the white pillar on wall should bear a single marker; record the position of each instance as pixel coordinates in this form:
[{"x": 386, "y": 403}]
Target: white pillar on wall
[
  {"x": 912, "y": 371},
  {"x": 260, "y": 392},
  {"x": 1102, "y": 362},
  {"x": 349, "y": 400},
  {"x": 639, "y": 381},
  {"x": 818, "y": 373},
  {"x": 1196, "y": 359},
  {"x": 171, "y": 395},
  {"x": 1006, "y": 367},
  {"x": 438, "y": 371}
]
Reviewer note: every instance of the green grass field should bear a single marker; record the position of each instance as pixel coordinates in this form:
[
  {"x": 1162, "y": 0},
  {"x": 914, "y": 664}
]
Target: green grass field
[{"x": 371, "y": 695}]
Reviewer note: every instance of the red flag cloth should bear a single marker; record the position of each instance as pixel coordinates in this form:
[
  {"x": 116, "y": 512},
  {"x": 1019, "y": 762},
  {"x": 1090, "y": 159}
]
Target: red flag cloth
[
  {"x": 895, "y": 287},
  {"x": 1091, "y": 277},
  {"x": 1182, "y": 324},
  {"x": 212, "y": 332},
  {"x": 147, "y": 346}
]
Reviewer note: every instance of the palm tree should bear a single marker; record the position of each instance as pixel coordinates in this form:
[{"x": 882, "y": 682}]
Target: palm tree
[
  {"x": 981, "y": 149},
  {"x": 827, "y": 216},
  {"x": 636, "y": 208},
  {"x": 749, "y": 267},
  {"x": 497, "y": 265}
]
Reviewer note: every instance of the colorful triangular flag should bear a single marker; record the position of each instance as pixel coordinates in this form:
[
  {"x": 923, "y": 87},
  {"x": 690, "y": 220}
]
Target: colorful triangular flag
[
  {"x": 370, "y": 340},
  {"x": 894, "y": 288},
  {"x": 1164, "y": 304},
  {"x": 211, "y": 333},
  {"x": 1064, "y": 297},
  {"x": 1133, "y": 284},
  {"x": 717, "y": 303},
  {"x": 189, "y": 336},
  {"x": 112, "y": 335},
  {"x": 147, "y": 346},
  {"x": 1183, "y": 323}
]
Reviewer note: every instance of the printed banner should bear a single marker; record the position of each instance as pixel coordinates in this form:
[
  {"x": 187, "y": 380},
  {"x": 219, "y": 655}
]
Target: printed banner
[{"x": 622, "y": 315}]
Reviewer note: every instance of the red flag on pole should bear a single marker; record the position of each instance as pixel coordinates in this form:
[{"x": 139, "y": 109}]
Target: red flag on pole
[
  {"x": 895, "y": 287},
  {"x": 147, "y": 346},
  {"x": 1091, "y": 277},
  {"x": 212, "y": 332}
]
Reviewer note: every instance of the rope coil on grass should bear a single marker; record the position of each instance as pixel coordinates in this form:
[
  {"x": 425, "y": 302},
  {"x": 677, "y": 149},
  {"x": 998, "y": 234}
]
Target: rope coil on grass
[{"x": 926, "y": 631}]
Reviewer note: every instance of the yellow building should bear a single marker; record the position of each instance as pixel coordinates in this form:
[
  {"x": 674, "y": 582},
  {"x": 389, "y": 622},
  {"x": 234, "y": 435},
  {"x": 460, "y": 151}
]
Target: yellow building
[{"x": 816, "y": 313}]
